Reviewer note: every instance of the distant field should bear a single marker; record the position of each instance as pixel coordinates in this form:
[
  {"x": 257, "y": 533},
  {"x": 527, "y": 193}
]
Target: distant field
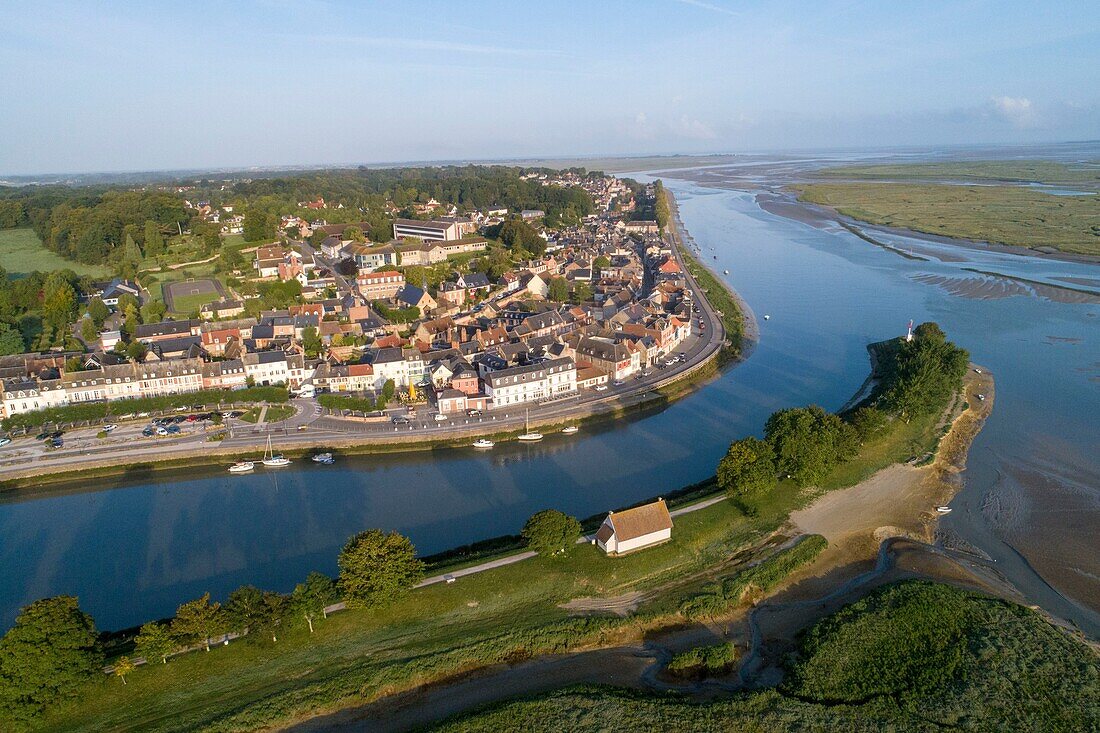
[
  {"x": 1012, "y": 215},
  {"x": 21, "y": 252},
  {"x": 1023, "y": 171}
]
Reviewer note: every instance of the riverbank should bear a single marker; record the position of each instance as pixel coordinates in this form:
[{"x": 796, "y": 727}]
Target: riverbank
[{"x": 531, "y": 608}]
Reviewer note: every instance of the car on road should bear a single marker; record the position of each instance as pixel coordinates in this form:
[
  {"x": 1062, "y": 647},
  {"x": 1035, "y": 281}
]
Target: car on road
[
  {"x": 4, "y": 441},
  {"x": 618, "y": 383},
  {"x": 400, "y": 420},
  {"x": 55, "y": 443},
  {"x": 473, "y": 412},
  {"x": 109, "y": 427},
  {"x": 600, "y": 388},
  {"x": 439, "y": 417},
  {"x": 300, "y": 428}
]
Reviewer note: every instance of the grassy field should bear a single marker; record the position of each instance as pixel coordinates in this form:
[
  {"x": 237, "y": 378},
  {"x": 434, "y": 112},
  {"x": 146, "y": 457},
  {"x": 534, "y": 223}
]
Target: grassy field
[
  {"x": 508, "y": 613},
  {"x": 914, "y": 656},
  {"x": 1009, "y": 215},
  {"x": 275, "y": 413},
  {"x": 21, "y": 251},
  {"x": 1022, "y": 171}
]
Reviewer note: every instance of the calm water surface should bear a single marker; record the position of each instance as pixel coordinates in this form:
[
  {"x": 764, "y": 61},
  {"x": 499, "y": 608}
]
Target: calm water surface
[{"x": 134, "y": 549}]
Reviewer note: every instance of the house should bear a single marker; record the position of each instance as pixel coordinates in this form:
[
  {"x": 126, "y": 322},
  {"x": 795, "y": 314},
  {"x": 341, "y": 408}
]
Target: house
[
  {"x": 268, "y": 260},
  {"x": 333, "y": 247},
  {"x": 165, "y": 330},
  {"x": 380, "y": 285},
  {"x": 634, "y": 529},
  {"x": 116, "y": 289},
  {"x": 642, "y": 226},
  {"x": 529, "y": 214},
  {"x": 221, "y": 309},
  {"x": 411, "y": 296},
  {"x": 531, "y": 382},
  {"x": 370, "y": 257}
]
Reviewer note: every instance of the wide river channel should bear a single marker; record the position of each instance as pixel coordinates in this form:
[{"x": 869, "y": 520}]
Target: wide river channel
[{"x": 132, "y": 550}]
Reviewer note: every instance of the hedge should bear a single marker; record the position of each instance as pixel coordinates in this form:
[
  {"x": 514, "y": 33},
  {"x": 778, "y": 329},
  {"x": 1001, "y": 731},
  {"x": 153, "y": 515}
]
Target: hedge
[{"x": 92, "y": 411}]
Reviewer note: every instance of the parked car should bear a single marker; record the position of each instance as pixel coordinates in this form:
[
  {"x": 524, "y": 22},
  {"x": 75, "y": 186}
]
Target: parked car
[
  {"x": 400, "y": 420},
  {"x": 473, "y": 412},
  {"x": 109, "y": 427},
  {"x": 162, "y": 431},
  {"x": 173, "y": 429},
  {"x": 56, "y": 443},
  {"x": 439, "y": 417},
  {"x": 600, "y": 388},
  {"x": 41, "y": 436},
  {"x": 147, "y": 432},
  {"x": 618, "y": 383},
  {"x": 4, "y": 441}
]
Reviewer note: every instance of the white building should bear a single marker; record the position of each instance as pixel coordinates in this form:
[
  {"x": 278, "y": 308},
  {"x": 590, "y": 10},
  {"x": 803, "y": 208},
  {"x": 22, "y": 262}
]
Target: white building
[
  {"x": 634, "y": 529},
  {"x": 531, "y": 382},
  {"x": 429, "y": 231}
]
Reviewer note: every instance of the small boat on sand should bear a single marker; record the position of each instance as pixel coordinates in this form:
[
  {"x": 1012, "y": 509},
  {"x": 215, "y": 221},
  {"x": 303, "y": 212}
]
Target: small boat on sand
[
  {"x": 325, "y": 458},
  {"x": 569, "y": 430},
  {"x": 483, "y": 443},
  {"x": 242, "y": 467},
  {"x": 943, "y": 509}
]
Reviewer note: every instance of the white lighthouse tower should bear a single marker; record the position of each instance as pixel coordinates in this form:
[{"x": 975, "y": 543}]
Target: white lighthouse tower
[{"x": 909, "y": 332}]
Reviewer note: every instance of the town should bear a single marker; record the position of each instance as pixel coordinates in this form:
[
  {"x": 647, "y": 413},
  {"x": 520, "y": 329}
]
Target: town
[{"x": 463, "y": 312}]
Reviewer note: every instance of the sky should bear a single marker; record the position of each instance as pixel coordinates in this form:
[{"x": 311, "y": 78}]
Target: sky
[{"x": 102, "y": 86}]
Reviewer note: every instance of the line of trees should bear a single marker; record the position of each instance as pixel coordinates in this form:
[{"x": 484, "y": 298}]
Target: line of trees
[
  {"x": 93, "y": 411},
  {"x": 804, "y": 444},
  {"x": 54, "y": 646}
]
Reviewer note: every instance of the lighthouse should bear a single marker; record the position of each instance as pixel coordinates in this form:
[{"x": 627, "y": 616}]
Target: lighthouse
[{"x": 909, "y": 332}]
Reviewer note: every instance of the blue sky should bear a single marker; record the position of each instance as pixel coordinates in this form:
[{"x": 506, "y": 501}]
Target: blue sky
[{"x": 107, "y": 87}]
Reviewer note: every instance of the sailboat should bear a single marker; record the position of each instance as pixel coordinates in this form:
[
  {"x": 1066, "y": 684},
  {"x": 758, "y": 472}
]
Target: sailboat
[
  {"x": 272, "y": 459},
  {"x": 527, "y": 435}
]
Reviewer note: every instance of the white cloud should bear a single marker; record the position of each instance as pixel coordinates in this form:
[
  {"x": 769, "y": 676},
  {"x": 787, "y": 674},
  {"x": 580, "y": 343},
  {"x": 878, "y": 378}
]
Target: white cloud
[
  {"x": 1017, "y": 110},
  {"x": 692, "y": 128}
]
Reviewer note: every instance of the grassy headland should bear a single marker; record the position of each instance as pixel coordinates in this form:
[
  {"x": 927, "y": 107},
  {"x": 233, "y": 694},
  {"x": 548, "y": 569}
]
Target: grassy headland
[
  {"x": 987, "y": 171},
  {"x": 1009, "y": 215}
]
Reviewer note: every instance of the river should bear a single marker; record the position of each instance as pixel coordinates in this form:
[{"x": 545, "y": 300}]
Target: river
[{"x": 133, "y": 548}]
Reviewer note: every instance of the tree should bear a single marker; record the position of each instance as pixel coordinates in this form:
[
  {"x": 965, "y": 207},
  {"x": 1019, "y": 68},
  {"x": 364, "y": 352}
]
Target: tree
[
  {"x": 319, "y": 235},
  {"x": 808, "y": 442},
  {"x": 154, "y": 641},
  {"x": 582, "y": 291},
  {"x": 311, "y": 342},
  {"x": 355, "y": 234},
  {"x": 52, "y": 648},
  {"x": 376, "y": 568},
  {"x": 388, "y": 389},
  {"x": 11, "y": 340},
  {"x": 198, "y": 620},
  {"x": 154, "y": 240},
  {"x": 153, "y": 311},
  {"x": 123, "y": 667},
  {"x": 88, "y": 331},
  {"x": 599, "y": 263},
  {"x": 258, "y": 226},
  {"x": 99, "y": 311},
  {"x": 558, "y": 289},
  {"x": 136, "y": 350},
  {"x": 868, "y": 422},
  {"x": 747, "y": 468},
  {"x": 310, "y": 598},
  {"x": 549, "y": 532},
  {"x": 58, "y": 300},
  {"x": 924, "y": 374},
  {"x": 245, "y": 608}
]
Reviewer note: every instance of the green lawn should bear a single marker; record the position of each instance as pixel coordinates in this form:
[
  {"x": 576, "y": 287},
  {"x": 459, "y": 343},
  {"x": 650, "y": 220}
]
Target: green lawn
[
  {"x": 1013, "y": 215},
  {"x": 187, "y": 303},
  {"x": 275, "y": 413},
  {"x": 21, "y": 252}
]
